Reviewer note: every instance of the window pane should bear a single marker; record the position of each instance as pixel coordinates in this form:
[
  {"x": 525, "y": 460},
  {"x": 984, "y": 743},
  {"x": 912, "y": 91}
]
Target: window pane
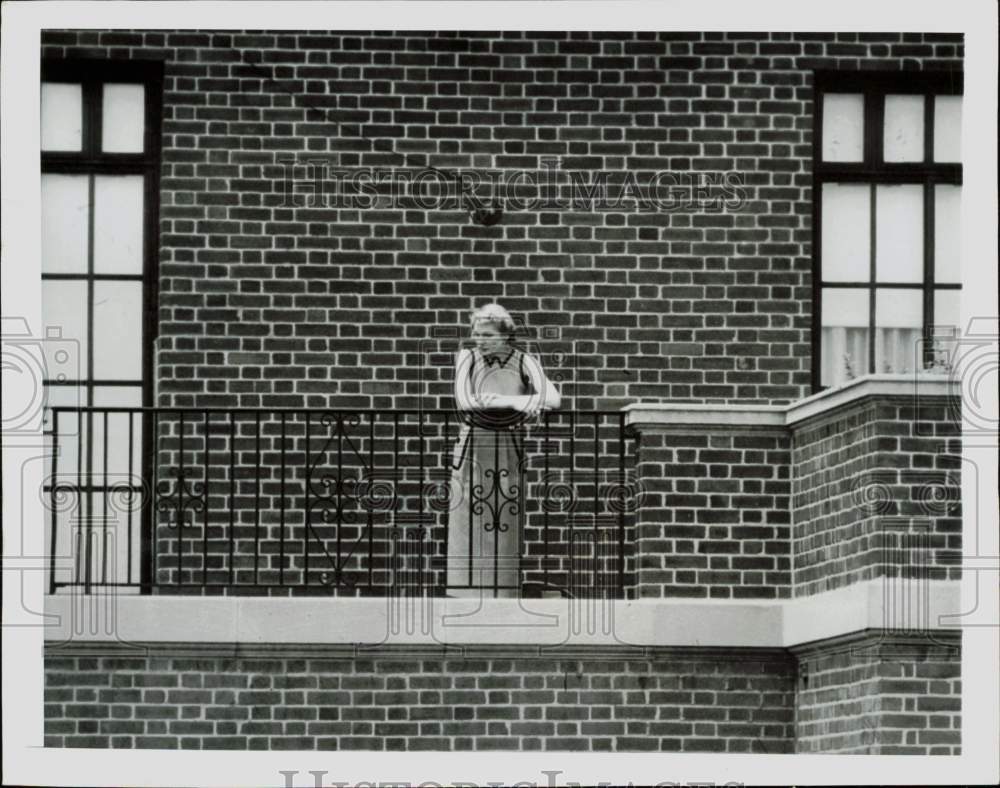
[
  {"x": 118, "y": 330},
  {"x": 123, "y": 118},
  {"x": 899, "y": 236},
  {"x": 904, "y": 128},
  {"x": 117, "y": 433},
  {"x": 846, "y": 241},
  {"x": 947, "y": 128},
  {"x": 845, "y": 335},
  {"x": 947, "y": 308},
  {"x": 62, "y": 117},
  {"x": 947, "y": 233},
  {"x": 70, "y": 424},
  {"x": 843, "y": 127},
  {"x": 64, "y": 315},
  {"x": 64, "y": 223},
  {"x": 899, "y": 319},
  {"x": 111, "y": 435},
  {"x": 946, "y": 329},
  {"x": 118, "y": 224},
  {"x": 118, "y": 396},
  {"x": 63, "y": 396},
  {"x": 69, "y": 514}
]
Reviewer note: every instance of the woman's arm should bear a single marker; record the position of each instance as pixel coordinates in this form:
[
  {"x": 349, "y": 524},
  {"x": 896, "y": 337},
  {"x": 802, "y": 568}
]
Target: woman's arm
[
  {"x": 465, "y": 398},
  {"x": 545, "y": 390}
]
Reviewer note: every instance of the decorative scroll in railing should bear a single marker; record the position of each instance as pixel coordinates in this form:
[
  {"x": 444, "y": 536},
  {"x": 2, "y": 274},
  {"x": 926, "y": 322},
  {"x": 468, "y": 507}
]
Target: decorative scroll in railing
[{"x": 282, "y": 502}]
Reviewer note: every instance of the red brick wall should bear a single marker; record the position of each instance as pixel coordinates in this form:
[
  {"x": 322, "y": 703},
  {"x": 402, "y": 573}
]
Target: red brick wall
[
  {"x": 881, "y": 696},
  {"x": 668, "y": 700},
  {"x": 714, "y": 514},
  {"x": 267, "y": 305},
  {"x": 874, "y": 481}
]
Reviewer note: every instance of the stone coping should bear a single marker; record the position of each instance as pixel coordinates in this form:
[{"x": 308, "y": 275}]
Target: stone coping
[
  {"x": 677, "y": 414},
  {"x": 422, "y": 622}
]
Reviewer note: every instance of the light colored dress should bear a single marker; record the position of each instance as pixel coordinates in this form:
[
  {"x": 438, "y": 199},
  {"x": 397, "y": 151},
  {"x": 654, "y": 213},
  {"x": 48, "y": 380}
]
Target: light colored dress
[{"x": 487, "y": 481}]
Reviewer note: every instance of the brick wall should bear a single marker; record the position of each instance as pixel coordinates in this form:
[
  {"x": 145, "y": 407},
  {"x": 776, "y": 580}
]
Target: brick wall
[
  {"x": 267, "y": 305},
  {"x": 881, "y": 695},
  {"x": 668, "y": 700},
  {"x": 876, "y": 489},
  {"x": 714, "y": 517}
]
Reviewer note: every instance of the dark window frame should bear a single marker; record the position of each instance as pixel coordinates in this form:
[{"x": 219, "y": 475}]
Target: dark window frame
[
  {"x": 92, "y": 74},
  {"x": 872, "y": 170}
]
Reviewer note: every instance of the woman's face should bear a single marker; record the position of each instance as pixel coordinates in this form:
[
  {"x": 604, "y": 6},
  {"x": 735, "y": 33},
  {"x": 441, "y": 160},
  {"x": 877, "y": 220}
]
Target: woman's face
[{"x": 488, "y": 338}]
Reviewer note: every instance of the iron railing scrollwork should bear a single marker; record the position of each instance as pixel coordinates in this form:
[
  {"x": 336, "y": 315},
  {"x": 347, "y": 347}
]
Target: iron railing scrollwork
[{"x": 336, "y": 502}]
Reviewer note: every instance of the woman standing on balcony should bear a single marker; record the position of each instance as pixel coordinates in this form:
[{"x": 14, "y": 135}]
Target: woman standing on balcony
[{"x": 497, "y": 387}]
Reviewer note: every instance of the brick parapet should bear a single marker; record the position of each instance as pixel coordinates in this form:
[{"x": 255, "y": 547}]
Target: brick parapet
[{"x": 863, "y": 482}]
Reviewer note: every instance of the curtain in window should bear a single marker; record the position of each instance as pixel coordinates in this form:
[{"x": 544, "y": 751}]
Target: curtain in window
[
  {"x": 896, "y": 349},
  {"x": 845, "y": 354}
]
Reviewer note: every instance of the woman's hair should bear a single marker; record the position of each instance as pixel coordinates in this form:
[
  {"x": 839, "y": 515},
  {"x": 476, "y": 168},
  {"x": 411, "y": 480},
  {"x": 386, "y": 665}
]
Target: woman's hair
[{"x": 498, "y": 316}]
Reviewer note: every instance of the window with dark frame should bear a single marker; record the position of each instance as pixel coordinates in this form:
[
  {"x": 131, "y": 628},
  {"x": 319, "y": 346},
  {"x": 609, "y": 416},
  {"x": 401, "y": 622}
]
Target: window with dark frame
[
  {"x": 100, "y": 159},
  {"x": 887, "y": 181}
]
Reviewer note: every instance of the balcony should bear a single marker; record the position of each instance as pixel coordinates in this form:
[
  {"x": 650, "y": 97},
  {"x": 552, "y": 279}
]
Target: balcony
[{"x": 338, "y": 503}]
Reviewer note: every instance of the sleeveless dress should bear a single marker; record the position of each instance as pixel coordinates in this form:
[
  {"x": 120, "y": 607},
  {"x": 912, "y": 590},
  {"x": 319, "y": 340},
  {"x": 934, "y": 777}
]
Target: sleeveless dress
[{"x": 487, "y": 485}]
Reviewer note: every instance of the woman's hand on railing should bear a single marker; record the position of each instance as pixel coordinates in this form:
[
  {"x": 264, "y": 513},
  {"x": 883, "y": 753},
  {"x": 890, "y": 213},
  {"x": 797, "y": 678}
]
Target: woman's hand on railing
[{"x": 530, "y": 405}]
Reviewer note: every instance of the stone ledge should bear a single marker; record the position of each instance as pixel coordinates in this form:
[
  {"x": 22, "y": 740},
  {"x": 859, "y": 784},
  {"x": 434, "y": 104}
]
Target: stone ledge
[
  {"x": 673, "y": 415},
  {"x": 546, "y": 623}
]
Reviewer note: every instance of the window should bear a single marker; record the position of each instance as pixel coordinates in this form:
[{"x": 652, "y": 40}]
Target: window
[
  {"x": 886, "y": 194},
  {"x": 100, "y": 151}
]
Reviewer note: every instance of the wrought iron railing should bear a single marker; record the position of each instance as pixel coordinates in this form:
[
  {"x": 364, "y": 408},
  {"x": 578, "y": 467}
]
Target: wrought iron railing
[{"x": 362, "y": 502}]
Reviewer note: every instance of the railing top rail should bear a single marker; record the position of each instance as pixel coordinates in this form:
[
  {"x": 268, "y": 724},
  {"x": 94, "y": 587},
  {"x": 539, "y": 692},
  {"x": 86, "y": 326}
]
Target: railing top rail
[{"x": 302, "y": 411}]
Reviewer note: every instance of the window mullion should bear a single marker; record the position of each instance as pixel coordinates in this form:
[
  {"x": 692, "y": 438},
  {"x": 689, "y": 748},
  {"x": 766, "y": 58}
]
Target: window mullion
[
  {"x": 91, "y": 119},
  {"x": 90, "y": 287},
  {"x": 929, "y": 219},
  {"x": 929, "y": 129},
  {"x": 874, "y": 112},
  {"x": 871, "y": 276}
]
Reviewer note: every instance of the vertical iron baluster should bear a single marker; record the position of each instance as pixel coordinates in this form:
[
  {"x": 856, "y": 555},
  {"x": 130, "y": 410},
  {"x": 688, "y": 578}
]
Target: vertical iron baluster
[
  {"x": 128, "y": 565},
  {"x": 180, "y": 500},
  {"x": 104, "y": 501},
  {"x": 78, "y": 554},
  {"x": 307, "y": 511},
  {"x": 150, "y": 547},
  {"x": 597, "y": 486},
  {"x": 52, "y": 499},
  {"x": 572, "y": 500},
  {"x": 371, "y": 483},
  {"x": 546, "y": 421},
  {"x": 521, "y": 518},
  {"x": 205, "y": 519},
  {"x": 89, "y": 507},
  {"x": 621, "y": 506},
  {"x": 397, "y": 494},
  {"x": 420, "y": 565},
  {"x": 448, "y": 470},
  {"x": 396, "y": 480},
  {"x": 256, "y": 527},
  {"x": 339, "y": 488},
  {"x": 281, "y": 508},
  {"x": 232, "y": 492},
  {"x": 496, "y": 513},
  {"x": 420, "y": 483},
  {"x": 81, "y": 503},
  {"x": 469, "y": 493}
]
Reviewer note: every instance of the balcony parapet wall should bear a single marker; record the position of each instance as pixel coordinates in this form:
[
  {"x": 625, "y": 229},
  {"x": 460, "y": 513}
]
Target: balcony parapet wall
[{"x": 778, "y": 501}]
